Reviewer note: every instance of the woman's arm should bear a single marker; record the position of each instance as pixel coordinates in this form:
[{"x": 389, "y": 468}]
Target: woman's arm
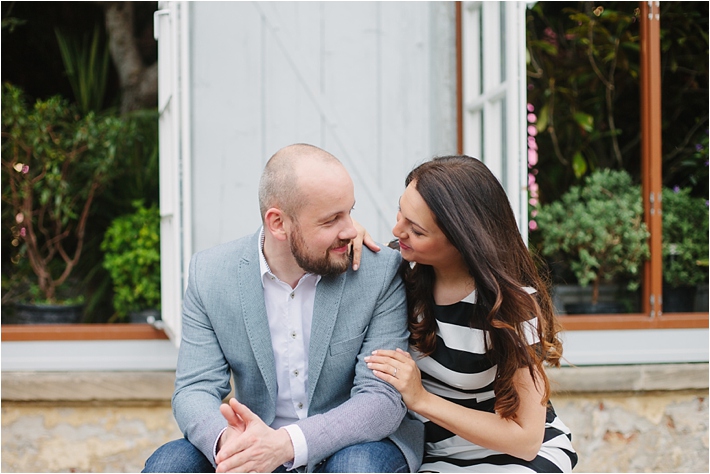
[{"x": 520, "y": 437}]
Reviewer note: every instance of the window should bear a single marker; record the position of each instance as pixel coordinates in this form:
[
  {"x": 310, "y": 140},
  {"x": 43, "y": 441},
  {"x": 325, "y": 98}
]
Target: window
[
  {"x": 491, "y": 101},
  {"x": 127, "y": 346}
]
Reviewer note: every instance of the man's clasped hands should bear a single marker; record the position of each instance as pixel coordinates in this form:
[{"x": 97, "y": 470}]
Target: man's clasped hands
[{"x": 248, "y": 444}]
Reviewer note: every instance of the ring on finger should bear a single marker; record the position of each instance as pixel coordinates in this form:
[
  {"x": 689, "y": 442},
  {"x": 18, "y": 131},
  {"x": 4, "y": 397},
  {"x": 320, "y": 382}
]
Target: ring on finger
[{"x": 395, "y": 373}]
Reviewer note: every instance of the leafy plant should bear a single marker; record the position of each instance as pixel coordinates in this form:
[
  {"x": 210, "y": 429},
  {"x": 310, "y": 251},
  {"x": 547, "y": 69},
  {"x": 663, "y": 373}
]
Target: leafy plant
[
  {"x": 86, "y": 66},
  {"x": 582, "y": 64},
  {"x": 685, "y": 238},
  {"x": 135, "y": 177},
  {"x": 132, "y": 246},
  {"x": 598, "y": 229},
  {"x": 54, "y": 164},
  {"x": 584, "y": 84}
]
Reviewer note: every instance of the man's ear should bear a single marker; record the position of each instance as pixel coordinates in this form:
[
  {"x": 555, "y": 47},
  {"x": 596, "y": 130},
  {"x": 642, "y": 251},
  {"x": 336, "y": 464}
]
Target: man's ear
[{"x": 275, "y": 223}]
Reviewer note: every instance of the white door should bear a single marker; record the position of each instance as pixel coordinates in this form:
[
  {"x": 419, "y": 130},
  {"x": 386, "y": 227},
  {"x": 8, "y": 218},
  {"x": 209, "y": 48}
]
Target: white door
[
  {"x": 371, "y": 82},
  {"x": 174, "y": 183}
]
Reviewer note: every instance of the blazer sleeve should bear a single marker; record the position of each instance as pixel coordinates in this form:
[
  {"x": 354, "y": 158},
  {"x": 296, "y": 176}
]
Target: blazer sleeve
[
  {"x": 375, "y": 408},
  {"x": 202, "y": 376}
]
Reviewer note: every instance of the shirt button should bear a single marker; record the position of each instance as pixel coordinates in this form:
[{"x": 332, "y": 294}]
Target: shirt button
[
  {"x": 292, "y": 295},
  {"x": 295, "y": 372},
  {"x": 300, "y": 405},
  {"x": 293, "y": 334}
]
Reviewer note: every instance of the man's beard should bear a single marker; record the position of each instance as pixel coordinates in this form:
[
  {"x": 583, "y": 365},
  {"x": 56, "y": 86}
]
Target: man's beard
[{"x": 325, "y": 265}]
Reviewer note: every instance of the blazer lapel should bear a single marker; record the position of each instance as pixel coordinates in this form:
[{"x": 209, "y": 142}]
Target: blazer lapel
[
  {"x": 325, "y": 312},
  {"x": 251, "y": 295}
]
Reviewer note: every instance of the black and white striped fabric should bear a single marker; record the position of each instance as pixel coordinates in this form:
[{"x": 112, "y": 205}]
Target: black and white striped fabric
[{"x": 459, "y": 371}]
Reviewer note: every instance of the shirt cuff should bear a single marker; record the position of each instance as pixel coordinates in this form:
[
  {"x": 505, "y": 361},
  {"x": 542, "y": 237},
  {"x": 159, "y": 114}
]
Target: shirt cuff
[
  {"x": 214, "y": 448},
  {"x": 300, "y": 448}
]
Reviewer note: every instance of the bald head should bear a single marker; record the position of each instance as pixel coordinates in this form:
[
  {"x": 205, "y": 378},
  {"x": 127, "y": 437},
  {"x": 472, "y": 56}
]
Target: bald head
[{"x": 289, "y": 172}]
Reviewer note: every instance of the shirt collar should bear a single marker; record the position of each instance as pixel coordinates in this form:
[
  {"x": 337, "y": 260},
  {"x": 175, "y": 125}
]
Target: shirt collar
[{"x": 263, "y": 264}]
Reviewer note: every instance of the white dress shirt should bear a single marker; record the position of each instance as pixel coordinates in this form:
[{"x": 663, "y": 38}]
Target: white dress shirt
[{"x": 290, "y": 314}]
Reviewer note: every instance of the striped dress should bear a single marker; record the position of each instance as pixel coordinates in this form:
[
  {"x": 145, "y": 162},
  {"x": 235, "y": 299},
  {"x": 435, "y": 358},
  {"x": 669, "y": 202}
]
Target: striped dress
[{"x": 459, "y": 371}]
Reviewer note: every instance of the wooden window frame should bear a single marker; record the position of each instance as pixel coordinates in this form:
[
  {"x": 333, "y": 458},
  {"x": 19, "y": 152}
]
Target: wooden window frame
[{"x": 80, "y": 332}]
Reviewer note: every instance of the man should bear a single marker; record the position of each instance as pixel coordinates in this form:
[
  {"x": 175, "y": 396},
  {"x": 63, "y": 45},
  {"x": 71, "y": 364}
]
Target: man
[{"x": 283, "y": 312}]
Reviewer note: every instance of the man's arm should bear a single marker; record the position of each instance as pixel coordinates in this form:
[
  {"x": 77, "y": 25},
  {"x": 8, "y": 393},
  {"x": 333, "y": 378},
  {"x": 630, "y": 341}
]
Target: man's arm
[
  {"x": 375, "y": 408},
  {"x": 202, "y": 376}
]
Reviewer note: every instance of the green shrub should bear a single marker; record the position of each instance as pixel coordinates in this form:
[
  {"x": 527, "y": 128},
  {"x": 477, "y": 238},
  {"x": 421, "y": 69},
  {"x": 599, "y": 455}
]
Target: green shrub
[
  {"x": 598, "y": 229},
  {"x": 132, "y": 247},
  {"x": 685, "y": 238},
  {"x": 55, "y": 163}
]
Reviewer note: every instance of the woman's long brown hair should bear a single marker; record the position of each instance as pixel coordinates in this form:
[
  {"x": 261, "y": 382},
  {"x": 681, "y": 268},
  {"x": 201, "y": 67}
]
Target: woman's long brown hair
[{"x": 471, "y": 208}]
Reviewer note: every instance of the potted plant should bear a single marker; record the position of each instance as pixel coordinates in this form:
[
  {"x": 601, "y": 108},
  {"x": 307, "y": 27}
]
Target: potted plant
[
  {"x": 685, "y": 248},
  {"x": 598, "y": 229},
  {"x": 132, "y": 258},
  {"x": 54, "y": 163}
]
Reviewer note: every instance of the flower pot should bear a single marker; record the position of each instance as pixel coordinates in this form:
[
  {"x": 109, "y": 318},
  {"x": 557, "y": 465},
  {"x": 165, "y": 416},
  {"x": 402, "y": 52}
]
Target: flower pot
[
  {"x": 590, "y": 308},
  {"x": 701, "y": 298},
  {"x": 48, "y": 314},
  {"x": 679, "y": 299},
  {"x": 144, "y": 316},
  {"x": 575, "y": 299}
]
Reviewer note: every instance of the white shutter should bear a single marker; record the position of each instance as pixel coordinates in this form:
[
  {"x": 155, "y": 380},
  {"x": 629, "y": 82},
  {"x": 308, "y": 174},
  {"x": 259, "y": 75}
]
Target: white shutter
[
  {"x": 173, "y": 161},
  {"x": 494, "y": 95}
]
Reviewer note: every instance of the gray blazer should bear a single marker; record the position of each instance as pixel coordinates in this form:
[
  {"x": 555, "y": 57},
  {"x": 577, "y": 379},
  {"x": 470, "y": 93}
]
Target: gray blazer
[{"x": 225, "y": 328}]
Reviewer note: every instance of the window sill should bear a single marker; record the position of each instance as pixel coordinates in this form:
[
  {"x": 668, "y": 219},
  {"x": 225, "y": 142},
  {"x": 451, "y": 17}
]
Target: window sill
[
  {"x": 633, "y": 321},
  {"x": 104, "y": 332},
  {"x": 80, "y": 332},
  {"x": 88, "y": 355}
]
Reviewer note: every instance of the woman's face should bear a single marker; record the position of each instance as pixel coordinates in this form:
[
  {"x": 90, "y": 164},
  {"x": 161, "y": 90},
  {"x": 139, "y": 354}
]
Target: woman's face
[{"x": 420, "y": 238}]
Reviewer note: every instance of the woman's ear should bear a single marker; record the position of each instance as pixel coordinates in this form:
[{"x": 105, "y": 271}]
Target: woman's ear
[{"x": 275, "y": 223}]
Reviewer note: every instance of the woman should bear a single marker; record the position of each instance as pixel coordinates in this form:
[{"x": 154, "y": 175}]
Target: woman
[{"x": 481, "y": 323}]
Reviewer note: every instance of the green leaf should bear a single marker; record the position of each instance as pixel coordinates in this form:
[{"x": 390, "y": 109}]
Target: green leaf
[
  {"x": 579, "y": 164},
  {"x": 542, "y": 119},
  {"x": 585, "y": 121}
]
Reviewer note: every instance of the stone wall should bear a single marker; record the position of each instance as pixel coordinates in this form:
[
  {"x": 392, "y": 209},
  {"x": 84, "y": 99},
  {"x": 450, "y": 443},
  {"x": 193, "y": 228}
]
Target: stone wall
[
  {"x": 72, "y": 438},
  {"x": 623, "y": 419},
  {"x": 84, "y": 421},
  {"x": 638, "y": 432}
]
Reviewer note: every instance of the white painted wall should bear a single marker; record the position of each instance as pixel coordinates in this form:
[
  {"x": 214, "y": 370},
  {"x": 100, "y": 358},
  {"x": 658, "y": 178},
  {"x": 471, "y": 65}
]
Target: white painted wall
[{"x": 371, "y": 82}]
